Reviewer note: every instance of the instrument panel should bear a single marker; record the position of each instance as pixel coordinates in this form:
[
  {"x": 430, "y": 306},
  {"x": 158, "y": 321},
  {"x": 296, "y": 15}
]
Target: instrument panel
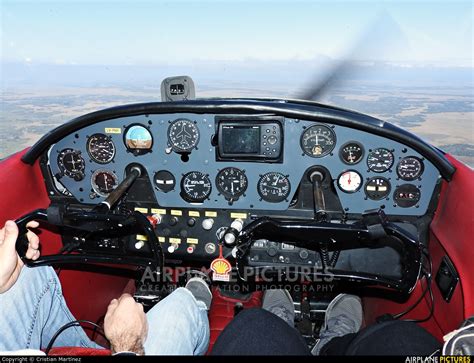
[{"x": 239, "y": 162}]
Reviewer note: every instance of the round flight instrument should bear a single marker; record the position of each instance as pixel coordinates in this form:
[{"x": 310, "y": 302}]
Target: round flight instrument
[
  {"x": 350, "y": 181},
  {"x": 71, "y": 164},
  {"x": 138, "y": 139},
  {"x": 103, "y": 182},
  {"x": 380, "y": 160},
  {"x": 164, "y": 181},
  {"x": 351, "y": 153},
  {"x": 377, "y": 188},
  {"x": 406, "y": 195},
  {"x": 274, "y": 187},
  {"x": 183, "y": 135},
  {"x": 195, "y": 187},
  {"x": 231, "y": 183},
  {"x": 410, "y": 168},
  {"x": 318, "y": 141},
  {"x": 101, "y": 148}
]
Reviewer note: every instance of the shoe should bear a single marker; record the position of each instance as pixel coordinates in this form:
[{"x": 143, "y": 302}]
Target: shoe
[
  {"x": 200, "y": 290},
  {"x": 280, "y": 303},
  {"x": 343, "y": 316}
]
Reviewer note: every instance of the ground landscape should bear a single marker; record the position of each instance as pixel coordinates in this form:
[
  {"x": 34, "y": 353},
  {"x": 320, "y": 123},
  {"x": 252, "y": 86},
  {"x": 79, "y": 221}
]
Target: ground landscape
[{"x": 442, "y": 115}]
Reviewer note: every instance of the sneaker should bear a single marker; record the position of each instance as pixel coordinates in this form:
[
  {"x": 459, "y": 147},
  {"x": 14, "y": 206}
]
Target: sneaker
[
  {"x": 280, "y": 303},
  {"x": 343, "y": 316},
  {"x": 200, "y": 290}
]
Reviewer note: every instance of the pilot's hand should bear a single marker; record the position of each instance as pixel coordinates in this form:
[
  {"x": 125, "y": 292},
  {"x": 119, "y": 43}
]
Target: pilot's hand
[
  {"x": 125, "y": 325},
  {"x": 10, "y": 262}
]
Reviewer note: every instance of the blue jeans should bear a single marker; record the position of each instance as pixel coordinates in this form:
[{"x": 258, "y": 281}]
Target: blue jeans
[{"x": 33, "y": 310}]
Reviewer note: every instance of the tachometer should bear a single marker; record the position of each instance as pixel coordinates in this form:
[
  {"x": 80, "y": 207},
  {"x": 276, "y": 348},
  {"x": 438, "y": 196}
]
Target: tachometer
[
  {"x": 410, "y": 168},
  {"x": 71, "y": 164},
  {"x": 274, "y": 187},
  {"x": 101, "y": 148},
  {"x": 377, "y": 188},
  {"x": 350, "y": 181},
  {"x": 380, "y": 160},
  {"x": 351, "y": 153},
  {"x": 195, "y": 187},
  {"x": 183, "y": 135},
  {"x": 318, "y": 141},
  {"x": 103, "y": 182},
  {"x": 231, "y": 183}
]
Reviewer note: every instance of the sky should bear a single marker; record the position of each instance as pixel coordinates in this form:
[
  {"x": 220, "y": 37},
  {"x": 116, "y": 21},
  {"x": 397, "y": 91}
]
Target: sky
[{"x": 164, "y": 32}]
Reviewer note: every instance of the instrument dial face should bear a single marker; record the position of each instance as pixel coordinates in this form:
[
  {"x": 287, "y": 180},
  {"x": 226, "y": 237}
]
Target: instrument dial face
[
  {"x": 195, "y": 187},
  {"x": 350, "y": 181},
  {"x": 231, "y": 183},
  {"x": 351, "y": 153},
  {"x": 380, "y": 160},
  {"x": 406, "y": 195},
  {"x": 274, "y": 187},
  {"x": 318, "y": 141},
  {"x": 103, "y": 182},
  {"x": 71, "y": 164},
  {"x": 410, "y": 168},
  {"x": 183, "y": 135},
  {"x": 377, "y": 188},
  {"x": 101, "y": 148},
  {"x": 138, "y": 139}
]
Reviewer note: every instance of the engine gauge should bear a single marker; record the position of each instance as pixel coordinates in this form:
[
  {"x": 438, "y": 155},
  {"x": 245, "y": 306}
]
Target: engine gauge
[
  {"x": 377, "y": 188},
  {"x": 350, "y": 181},
  {"x": 351, "y": 153},
  {"x": 195, "y": 187},
  {"x": 231, "y": 183},
  {"x": 103, "y": 182},
  {"x": 380, "y": 160},
  {"x": 274, "y": 187},
  {"x": 71, "y": 164},
  {"x": 318, "y": 141},
  {"x": 183, "y": 135},
  {"x": 410, "y": 168},
  {"x": 101, "y": 148},
  {"x": 406, "y": 195}
]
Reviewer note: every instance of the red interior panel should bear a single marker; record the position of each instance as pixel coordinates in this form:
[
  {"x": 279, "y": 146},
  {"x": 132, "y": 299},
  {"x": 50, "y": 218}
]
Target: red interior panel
[
  {"x": 222, "y": 312},
  {"x": 451, "y": 235}
]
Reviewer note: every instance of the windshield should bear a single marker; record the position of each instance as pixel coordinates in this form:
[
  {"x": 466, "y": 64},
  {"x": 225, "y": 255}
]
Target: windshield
[{"x": 407, "y": 63}]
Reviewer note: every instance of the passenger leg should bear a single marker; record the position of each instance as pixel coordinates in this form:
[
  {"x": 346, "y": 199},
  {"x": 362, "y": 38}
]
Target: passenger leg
[{"x": 33, "y": 310}]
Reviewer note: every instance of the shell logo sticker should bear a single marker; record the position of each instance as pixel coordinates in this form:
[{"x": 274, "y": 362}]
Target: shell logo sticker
[{"x": 221, "y": 268}]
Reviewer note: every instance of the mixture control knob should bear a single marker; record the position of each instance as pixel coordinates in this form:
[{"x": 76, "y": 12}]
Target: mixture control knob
[
  {"x": 207, "y": 224},
  {"x": 172, "y": 247},
  {"x": 155, "y": 219},
  {"x": 304, "y": 254}
]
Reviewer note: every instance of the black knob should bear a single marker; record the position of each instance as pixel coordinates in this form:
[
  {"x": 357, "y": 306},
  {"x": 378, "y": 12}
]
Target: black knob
[
  {"x": 183, "y": 233},
  {"x": 166, "y": 232},
  {"x": 191, "y": 222},
  {"x": 304, "y": 254},
  {"x": 173, "y": 221},
  {"x": 272, "y": 251}
]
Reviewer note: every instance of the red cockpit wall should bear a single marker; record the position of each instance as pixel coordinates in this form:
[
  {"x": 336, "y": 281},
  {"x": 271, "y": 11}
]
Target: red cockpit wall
[
  {"x": 23, "y": 190},
  {"x": 451, "y": 234}
]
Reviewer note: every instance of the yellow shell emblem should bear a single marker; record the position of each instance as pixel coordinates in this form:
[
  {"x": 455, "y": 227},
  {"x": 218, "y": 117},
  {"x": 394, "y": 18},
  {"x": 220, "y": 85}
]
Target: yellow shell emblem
[{"x": 221, "y": 266}]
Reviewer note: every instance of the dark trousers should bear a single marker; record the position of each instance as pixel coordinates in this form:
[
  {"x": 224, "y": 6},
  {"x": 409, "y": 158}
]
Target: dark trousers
[{"x": 259, "y": 332}]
